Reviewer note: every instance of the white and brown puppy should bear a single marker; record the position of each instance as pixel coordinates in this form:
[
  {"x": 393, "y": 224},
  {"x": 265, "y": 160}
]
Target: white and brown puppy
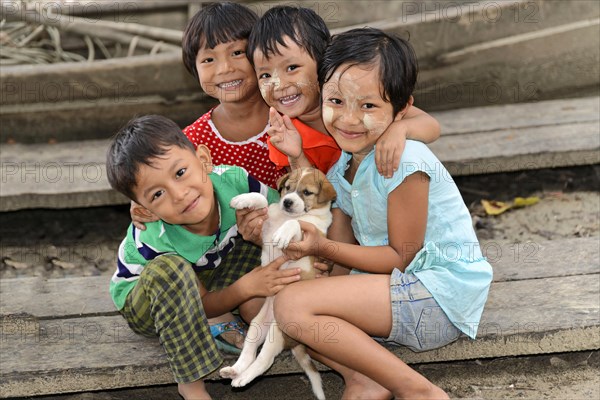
[{"x": 306, "y": 195}]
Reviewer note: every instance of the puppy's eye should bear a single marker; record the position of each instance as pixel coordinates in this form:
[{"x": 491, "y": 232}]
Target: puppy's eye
[
  {"x": 307, "y": 192},
  {"x": 287, "y": 187}
]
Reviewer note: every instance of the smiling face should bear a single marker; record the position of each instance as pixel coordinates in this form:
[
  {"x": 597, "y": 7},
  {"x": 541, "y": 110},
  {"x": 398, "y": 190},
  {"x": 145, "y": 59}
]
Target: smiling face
[
  {"x": 354, "y": 111},
  {"x": 288, "y": 80},
  {"x": 176, "y": 188},
  {"x": 225, "y": 73}
]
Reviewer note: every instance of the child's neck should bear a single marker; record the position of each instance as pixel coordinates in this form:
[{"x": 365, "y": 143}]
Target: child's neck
[
  {"x": 353, "y": 165},
  {"x": 240, "y": 121},
  {"x": 314, "y": 120}
]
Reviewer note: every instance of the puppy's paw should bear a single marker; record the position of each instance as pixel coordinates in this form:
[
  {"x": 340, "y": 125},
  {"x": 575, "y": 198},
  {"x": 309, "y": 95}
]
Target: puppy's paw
[
  {"x": 287, "y": 232},
  {"x": 242, "y": 380},
  {"x": 228, "y": 373},
  {"x": 248, "y": 200}
]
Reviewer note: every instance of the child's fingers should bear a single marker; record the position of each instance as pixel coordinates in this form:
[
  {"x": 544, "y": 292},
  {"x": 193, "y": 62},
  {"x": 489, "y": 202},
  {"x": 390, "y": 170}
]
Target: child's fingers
[
  {"x": 378, "y": 159},
  {"x": 274, "y": 118},
  {"x": 286, "y": 280},
  {"x": 144, "y": 218},
  {"x": 396, "y": 161},
  {"x": 250, "y": 223},
  {"x": 276, "y": 263},
  {"x": 383, "y": 160},
  {"x": 388, "y": 170},
  {"x": 275, "y": 139},
  {"x": 288, "y": 123},
  {"x": 323, "y": 266},
  {"x": 139, "y": 225}
]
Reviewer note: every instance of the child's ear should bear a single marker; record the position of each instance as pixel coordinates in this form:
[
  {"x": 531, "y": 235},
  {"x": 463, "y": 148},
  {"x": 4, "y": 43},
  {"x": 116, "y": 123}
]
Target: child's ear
[
  {"x": 203, "y": 154},
  {"x": 281, "y": 181},
  {"x": 407, "y": 107}
]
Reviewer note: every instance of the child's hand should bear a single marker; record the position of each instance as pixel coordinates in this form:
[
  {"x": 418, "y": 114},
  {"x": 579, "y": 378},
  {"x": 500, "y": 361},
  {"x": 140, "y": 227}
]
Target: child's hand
[
  {"x": 284, "y": 134},
  {"x": 323, "y": 267},
  {"x": 310, "y": 245},
  {"x": 389, "y": 148},
  {"x": 268, "y": 280},
  {"x": 250, "y": 223},
  {"x": 141, "y": 215}
]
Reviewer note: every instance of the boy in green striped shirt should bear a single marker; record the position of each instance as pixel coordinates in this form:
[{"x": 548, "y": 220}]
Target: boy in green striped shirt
[{"x": 190, "y": 265}]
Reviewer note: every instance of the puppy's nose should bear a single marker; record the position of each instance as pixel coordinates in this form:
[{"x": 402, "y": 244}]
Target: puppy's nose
[{"x": 287, "y": 203}]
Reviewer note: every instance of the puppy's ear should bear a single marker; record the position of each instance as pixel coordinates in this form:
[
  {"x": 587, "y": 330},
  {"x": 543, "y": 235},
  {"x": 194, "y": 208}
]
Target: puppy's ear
[
  {"x": 281, "y": 181},
  {"x": 327, "y": 192}
]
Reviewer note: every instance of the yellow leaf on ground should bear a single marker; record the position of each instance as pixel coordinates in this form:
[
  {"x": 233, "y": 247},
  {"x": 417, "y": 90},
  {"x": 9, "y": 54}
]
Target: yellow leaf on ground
[
  {"x": 493, "y": 207},
  {"x": 525, "y": 201}
]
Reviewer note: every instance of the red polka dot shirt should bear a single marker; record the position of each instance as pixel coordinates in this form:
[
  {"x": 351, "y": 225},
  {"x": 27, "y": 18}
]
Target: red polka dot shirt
[{"x": 251, "y": 154}]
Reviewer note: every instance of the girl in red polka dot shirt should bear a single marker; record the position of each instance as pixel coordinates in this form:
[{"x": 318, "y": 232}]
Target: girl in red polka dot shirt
[{"x": 235, "y": 131}]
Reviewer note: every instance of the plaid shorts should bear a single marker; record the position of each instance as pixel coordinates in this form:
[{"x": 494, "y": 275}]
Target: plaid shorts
[{"x": 166, "y": 303}]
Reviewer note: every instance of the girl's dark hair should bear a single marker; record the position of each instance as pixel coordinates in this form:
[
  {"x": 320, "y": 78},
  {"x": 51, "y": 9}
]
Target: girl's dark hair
[
  {"x": 136, "y": 143},
  {"x": 371, "y": 47},
  {"x": 304, "y": 26},
  {"x": 214, "y": 24}
]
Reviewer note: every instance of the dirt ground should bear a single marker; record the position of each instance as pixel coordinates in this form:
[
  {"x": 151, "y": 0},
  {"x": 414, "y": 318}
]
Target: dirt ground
[{"x": 56, "y": 243}]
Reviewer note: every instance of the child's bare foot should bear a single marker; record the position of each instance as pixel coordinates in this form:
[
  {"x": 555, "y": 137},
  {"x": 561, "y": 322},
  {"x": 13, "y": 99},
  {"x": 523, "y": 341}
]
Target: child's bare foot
[
  {"x": 360, "y": 387},
  {"x": 438, "y": 393},
  {"x": 429, "y": 392},
  {"x": 193, "y": 391}
]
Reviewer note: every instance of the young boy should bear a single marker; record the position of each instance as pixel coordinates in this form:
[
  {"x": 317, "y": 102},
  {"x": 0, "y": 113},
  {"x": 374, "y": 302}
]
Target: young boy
[
  {"x": 286, "y": 47},
  {"x": 191, "y": 264}
]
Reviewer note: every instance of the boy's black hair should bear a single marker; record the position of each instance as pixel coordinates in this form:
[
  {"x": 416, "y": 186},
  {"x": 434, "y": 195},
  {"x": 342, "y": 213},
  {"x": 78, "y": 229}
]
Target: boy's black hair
[
  {"x": 136, "y": 143},
  {"x": 304, "y": 26},
  {"x": 214, "y": 24},
  {"x": 396, "y": 58}
]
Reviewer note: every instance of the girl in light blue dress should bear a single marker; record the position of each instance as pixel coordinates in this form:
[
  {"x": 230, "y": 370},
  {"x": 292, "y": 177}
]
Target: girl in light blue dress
[{"x": 424, "y": 280}]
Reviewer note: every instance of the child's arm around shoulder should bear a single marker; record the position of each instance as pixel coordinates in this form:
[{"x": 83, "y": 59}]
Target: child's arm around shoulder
[{"x": 411, "y": 123}]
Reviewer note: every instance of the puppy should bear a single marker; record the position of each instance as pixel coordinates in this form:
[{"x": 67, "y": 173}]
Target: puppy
[{"x": 306, "y": 195}]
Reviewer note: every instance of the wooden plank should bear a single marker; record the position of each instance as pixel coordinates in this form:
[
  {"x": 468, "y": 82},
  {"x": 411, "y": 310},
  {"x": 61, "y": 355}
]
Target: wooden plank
[
  {"x": 544, "y": 259},
  {"x": 437, "y": 27},
  {"x": 48, "y": 298},
  {"x": 88, "y": 296},
  {"x": 521, "y": 317},
  {"x": 86, "y": 120},
  {"x": 117, "y": 78},
  {"x": 72, "y": 174},
  {"x": 510, "y": 71},
  {"x": 520, "y": 149},
  {"x": 516, "y": 116}
]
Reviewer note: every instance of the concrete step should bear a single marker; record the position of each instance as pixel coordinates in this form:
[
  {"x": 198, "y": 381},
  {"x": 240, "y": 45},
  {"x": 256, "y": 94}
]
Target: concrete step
[
  {"x": 64, "y": 340},
  {"x": 481, "y": 140}
]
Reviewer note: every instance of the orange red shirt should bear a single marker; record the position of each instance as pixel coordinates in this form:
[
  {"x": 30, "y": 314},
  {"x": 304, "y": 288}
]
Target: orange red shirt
[{"x": 319, "y": 148}]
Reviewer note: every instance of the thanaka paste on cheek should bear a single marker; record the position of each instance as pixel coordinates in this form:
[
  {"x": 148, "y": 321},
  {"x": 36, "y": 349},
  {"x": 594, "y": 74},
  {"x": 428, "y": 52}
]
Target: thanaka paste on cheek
[
  {"x": 264, "y": 90},
  {"x": 275, "y": 80},
  {"x": 372, "y": 124},
  {"x": 327, "y": 114}
]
